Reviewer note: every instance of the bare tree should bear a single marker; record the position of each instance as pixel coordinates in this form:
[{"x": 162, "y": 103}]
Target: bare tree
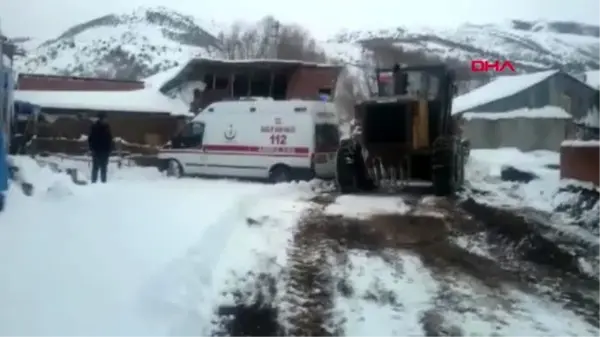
[{"x": 270, "y": 39}]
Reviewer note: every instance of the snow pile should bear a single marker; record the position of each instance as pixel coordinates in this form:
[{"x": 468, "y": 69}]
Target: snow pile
[
  {"x": 484, "y": 169},
  {"x": 45, "y": 180},
  {"x": 143, "y": 101},
  {"x": 498, "y": 88},
  {"x": 545, "y": 112}
]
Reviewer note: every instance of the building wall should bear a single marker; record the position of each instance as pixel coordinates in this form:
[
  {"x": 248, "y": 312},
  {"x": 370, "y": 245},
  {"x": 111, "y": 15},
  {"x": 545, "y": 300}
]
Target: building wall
[
  {"x": 547, "y": 92},
  {"x": 580, "y": 163},
  {"x": 138, "y": 128},
  {"x": 526, "y": 134},
  {"x": 47, "y": 82},
  {"x": 306, "y": 82}
]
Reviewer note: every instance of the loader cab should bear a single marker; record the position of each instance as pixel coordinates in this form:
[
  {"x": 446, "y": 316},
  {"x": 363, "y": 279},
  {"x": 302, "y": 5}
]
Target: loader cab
[
  {"x": 413, "y": 106},
  {"x": 415, "y": 82}
]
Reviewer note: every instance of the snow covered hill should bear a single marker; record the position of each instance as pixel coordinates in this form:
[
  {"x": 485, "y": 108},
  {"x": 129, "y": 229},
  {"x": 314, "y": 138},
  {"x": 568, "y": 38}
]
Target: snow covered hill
[
  {"x": 148, "y": 40},
  {"x": 129, "y": 45},
  {"x": 533, "y": 45}
]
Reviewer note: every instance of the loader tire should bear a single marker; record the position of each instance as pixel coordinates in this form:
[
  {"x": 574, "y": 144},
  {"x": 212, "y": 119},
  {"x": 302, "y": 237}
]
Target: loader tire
[
  {"x": 442, "y": 173},
  {"x": 345, "y": 177},
  {"x": 364, "y": 182}
]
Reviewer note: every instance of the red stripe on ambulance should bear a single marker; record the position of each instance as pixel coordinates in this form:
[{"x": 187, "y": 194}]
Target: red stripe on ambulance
[{"x": 243, "y": 150}]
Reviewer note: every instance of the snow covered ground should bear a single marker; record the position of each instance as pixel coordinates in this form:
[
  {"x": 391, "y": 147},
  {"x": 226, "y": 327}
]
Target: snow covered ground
[
  {"x": 485, "y": 166},
  {"x": 91, "y": 260},
  {"x": 149, "y": 255}
]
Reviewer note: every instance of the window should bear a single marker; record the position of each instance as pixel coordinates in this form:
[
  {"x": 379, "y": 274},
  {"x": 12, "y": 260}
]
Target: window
[
  {"x": 193, "y": 129},
  {"x": 327, "y": 138},
  {"x": 191, "y": 136}
]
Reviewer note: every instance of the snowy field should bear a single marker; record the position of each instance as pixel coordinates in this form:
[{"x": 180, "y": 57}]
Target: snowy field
[{"x": 149, "y": 255}]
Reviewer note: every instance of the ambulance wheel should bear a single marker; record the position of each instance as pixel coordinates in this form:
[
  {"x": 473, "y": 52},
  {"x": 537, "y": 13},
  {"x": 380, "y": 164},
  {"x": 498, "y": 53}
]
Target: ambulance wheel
[
  {"x": 280, "y": 174},
  {"x": 174, "y": 169}
]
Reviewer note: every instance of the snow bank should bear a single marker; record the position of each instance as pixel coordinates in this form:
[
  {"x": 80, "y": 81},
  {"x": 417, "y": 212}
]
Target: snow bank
[
  {"x": 545, "y": 112},
  {"x": 145, "y": 100},
  {"x": 46, "y": 182},
  {"x": 500, "y": 87},
  {"x": 484, "y": 169}
]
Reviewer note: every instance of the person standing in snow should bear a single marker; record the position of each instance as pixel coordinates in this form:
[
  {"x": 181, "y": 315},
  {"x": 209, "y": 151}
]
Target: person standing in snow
[{"x": 101, "y": 144}]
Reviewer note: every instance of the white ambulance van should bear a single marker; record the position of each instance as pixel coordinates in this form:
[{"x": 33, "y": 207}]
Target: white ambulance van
[{"x": 259, "y": 139}]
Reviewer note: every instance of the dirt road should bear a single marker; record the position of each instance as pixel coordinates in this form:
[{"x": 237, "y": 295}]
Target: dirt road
[{"x": 446, "y": 236}]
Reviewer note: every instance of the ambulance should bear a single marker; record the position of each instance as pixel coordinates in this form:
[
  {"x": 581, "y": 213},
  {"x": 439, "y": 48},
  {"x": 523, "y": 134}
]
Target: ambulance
[{"x": 258, "y": 139}]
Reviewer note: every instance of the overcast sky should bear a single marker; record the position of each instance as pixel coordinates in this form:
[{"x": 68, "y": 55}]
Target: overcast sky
[{"x": 48, "y": 18}]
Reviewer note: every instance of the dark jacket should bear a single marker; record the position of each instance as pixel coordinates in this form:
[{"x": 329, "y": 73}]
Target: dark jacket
[{"x": 100, "y": 138}]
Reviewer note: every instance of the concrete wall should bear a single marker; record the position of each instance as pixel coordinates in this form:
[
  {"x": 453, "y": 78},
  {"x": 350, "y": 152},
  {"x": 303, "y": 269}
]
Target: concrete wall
[{"x": 526, "y": 134}]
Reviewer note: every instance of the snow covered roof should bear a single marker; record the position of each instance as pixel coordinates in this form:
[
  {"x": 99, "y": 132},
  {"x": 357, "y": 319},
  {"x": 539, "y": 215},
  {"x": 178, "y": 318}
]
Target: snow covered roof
[
  {"x": 545, "y": 112},
  {"x": 173, "y": 74},
  {"x": 144, "y": 100},
  {"x": 592, "y": 78},
  {"x": 157, "y": 80},
  {"x": 500, "y": 87}
]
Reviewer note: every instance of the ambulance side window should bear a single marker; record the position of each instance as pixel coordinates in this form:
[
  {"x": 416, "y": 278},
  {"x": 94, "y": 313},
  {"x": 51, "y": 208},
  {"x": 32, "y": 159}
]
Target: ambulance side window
[
  {"x": 327, "y": 138},
  {"x": 192, "y": 135}
]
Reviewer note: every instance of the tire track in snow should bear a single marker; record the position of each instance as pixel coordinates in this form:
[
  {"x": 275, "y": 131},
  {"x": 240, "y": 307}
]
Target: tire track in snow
[{"x": 185, "y": 287}]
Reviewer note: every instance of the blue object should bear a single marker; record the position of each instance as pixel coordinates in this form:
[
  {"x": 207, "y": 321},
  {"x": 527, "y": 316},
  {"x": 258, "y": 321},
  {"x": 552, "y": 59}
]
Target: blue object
[
  {"x": 3, "y": 171},
  {"x": 3, "y": 164},
  {"x": 6, "y": 116}
]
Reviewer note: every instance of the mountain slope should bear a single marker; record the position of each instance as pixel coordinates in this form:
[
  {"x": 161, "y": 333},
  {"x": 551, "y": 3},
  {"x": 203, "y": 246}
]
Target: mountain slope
[
  {"x": 149, "y": 40},
  {"x": 533, "y": 45},
  {"x": 132, "y": 45}
]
